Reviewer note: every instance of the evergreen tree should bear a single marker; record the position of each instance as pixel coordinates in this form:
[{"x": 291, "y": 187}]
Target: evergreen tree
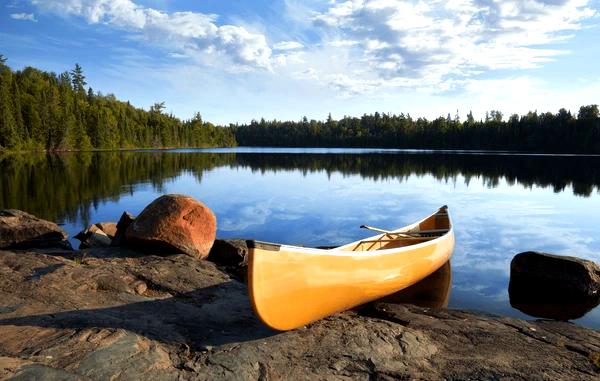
[
  {"x": 8, "y": 127},
  {"x": 470, "y": 118},
  {"x": 78, "y": 79},
  {"x": 18, "y": 112}
]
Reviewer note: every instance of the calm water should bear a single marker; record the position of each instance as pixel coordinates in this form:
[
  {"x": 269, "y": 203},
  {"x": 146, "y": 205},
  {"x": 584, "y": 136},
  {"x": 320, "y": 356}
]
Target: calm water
[{"x": 501, "y": 203}]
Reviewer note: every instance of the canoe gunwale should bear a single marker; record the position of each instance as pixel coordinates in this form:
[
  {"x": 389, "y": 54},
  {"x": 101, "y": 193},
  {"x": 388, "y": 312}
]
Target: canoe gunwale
[{"x": 253, "y": 244}]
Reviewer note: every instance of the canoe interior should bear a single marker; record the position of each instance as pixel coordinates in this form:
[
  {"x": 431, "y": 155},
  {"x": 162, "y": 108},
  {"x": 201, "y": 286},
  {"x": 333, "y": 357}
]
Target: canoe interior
[{"x": 430, "y": 228}]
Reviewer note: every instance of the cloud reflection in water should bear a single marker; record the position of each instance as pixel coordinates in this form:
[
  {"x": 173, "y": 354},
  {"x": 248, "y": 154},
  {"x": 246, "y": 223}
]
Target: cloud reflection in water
[{"x": 500, "y": 205}]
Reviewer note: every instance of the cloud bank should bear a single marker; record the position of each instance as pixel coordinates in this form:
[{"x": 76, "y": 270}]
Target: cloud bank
[
  {"x": 194, "y": 33},
  {"x": 423, "y": 43},
  {"x": 359, "y": 46}
]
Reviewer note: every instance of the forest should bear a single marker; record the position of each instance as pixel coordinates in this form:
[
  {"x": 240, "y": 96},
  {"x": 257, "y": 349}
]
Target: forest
[
  {"x": 561, "y": 132},
  {"x": 46, "y": 111}
]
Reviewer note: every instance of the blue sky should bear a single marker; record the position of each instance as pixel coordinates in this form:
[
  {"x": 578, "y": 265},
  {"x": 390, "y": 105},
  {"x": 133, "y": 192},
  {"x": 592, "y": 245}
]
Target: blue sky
[{"x": 238, "y": 60}]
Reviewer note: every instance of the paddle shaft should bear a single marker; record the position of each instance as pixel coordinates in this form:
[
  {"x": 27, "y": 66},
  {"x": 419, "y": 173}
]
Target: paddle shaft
[
  {"x": 383, "y": 231},
  {"x": 408, "y": 234}
]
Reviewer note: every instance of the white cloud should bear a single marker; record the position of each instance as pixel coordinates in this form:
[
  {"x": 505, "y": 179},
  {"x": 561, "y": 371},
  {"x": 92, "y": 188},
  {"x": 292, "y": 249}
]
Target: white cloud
[
  {"x": 382, "y": 50},
  {"x": 178, "y": 55},
  {"x": 426, "y": 43},
  {"x": 195, "y": 34},
  {"x": 23, "y": 16},
  {"x": 288, "y": 45},
  {"x": 532, "y": 94}
]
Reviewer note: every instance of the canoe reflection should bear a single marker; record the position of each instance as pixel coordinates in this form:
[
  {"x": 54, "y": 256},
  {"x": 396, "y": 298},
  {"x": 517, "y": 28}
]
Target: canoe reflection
[{"x": 433, "y": 291}]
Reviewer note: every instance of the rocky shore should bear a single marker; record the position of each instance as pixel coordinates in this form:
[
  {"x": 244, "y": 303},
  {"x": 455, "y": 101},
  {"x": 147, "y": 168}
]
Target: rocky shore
[{"x": 117, "y": 313}]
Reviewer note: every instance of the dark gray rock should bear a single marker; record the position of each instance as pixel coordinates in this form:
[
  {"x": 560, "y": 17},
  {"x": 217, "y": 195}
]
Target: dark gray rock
[
  {"x": 229, "y": 252},
  {"x": 124, "y": 222},
  {"x": 553, "y": 287},
  {"x": 232, "y": 256},
  {"x": 21, "y": 230},
  {"x": 549, "y": 278}
]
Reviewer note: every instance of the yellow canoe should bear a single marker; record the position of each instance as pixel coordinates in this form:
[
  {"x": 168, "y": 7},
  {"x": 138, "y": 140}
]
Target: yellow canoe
[{"x": 291, "y": 286}]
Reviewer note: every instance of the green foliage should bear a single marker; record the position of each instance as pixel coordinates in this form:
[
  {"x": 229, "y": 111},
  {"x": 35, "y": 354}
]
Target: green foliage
[
  {"x": 532, "y": 132},
  {"x": 68, "y": 185},
  {"x": 78, "y": 79},
  {"x": 9, "y": 136},
  {"x": 40, "y": 110},
  {"x": 43, "y": 111},
  {"x": 80, "y": 259},
  {"x": 588, "y": 112}
]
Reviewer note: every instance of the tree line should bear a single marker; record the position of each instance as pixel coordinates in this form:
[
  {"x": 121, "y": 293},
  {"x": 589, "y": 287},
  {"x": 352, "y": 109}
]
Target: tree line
[
  {"x": 41, "y": 110},
  {"x": 46, "y": 111},
  {"x": 533, "y": 132}
]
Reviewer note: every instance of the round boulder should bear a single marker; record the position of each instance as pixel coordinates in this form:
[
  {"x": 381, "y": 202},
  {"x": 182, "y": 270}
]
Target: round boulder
[
  {"x": 174, "y": 223},
  {"x": 548, "y": 278}
]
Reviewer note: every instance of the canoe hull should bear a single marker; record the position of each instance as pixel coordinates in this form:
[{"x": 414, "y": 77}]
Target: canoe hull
[{"x": 292, "y": 286}]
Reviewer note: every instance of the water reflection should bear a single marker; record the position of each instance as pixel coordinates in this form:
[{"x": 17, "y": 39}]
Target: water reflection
[
  {"x": 548, "y": 301},
  {"x": 500, "y": 204},
  {"x": 68, "y": 185},
  {"x": 432, "y": 292},
  {"x": 554, "y": 311}
]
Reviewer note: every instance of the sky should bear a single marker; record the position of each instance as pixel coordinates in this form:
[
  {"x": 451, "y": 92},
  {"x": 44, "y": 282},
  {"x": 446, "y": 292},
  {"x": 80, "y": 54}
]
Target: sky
[{"x": 238, "y": 60}]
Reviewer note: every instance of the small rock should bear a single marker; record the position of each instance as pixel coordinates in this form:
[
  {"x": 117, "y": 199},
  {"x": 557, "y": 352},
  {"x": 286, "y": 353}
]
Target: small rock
[
  {"x": 140, "y": 287},
  {"x": 111, "y": 283},
  {"x": 547, "y": 279},
  {"x": 124, "y": 222},
  {"x": 109, "y": 228},
  {"x": 175, "y": 224},
  {"x": 20, "y": 230},
  {"x": 93, "y": 236}
]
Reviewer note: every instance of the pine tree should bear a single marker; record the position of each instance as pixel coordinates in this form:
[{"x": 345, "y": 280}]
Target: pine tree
[
  {"x": 82, "y": 140},
  {"x": 19, "y": 123},
  {"x": 470, "y": 118},
  {"x": 9, "y": 137},
  {"x": 78, "y": 79},
  {"x": 31, "y": 118}
]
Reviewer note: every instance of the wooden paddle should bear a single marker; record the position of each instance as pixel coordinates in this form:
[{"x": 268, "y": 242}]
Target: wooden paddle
[{"x": 406, "y": 234}]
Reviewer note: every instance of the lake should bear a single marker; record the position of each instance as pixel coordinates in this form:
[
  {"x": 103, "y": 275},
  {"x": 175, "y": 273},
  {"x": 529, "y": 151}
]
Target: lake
[{"x": 501, "y": 203}]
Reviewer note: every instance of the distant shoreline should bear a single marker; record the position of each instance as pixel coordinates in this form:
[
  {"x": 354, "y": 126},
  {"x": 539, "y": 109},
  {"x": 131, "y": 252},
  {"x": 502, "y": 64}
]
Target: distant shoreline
[{"x": 316, "y": 150}]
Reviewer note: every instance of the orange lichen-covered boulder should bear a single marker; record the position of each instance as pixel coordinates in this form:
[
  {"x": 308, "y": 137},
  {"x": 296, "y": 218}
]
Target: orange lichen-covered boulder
[{"x": 176, "y": 223}]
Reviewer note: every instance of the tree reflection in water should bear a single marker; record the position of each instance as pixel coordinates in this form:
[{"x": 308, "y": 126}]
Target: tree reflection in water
[{"x": 66, "y": 186}]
